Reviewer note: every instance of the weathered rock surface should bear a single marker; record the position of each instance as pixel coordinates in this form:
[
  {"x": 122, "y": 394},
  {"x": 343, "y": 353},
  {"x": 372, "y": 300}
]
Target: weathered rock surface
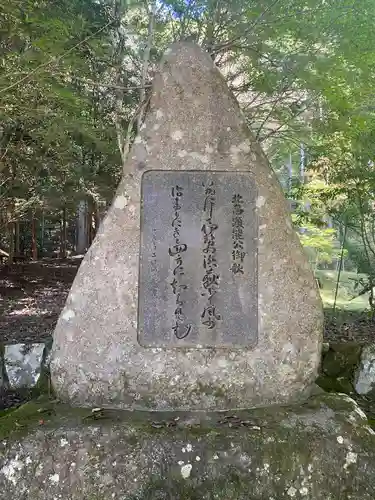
[
  {"x": 193, "y": 123},
  {"x": 365, "y": 373},
  {"x": 323, "y": 450},
  {"x": 22, "y": 365}
]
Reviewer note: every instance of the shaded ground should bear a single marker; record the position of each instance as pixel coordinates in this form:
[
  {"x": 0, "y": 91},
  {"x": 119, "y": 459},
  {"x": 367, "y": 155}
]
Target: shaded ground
[
  {"x": 33, "y": 294},
  {"x": 349, "y": 326},
  {"x": 13, "y": 399}
]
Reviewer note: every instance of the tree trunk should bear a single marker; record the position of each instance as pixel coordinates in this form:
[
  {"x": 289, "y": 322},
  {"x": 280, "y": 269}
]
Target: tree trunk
[
  {"x": 34, "y": 238},
  {"x": 10, "y": 231},
  {"x": 89, "y": 223},
  {"x": 17, "y": 237},
  {"x": 96, "y": 219},
  {"x": 340, "y": 266},
  {"x": 63, "y": 234},
  {"x": 290, "y": 173},
  {"x": 81, "y": 245},
  {"x": 11, "y": 242},
  {"x": 42, "y": 230},
  {"x": 302, "y": 163},
  {"x": 146, "y": 61}
]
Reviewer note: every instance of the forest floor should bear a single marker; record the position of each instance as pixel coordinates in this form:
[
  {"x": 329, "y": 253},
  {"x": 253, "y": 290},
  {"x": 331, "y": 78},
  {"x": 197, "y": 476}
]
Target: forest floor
[{"x": 33, "y": 294}]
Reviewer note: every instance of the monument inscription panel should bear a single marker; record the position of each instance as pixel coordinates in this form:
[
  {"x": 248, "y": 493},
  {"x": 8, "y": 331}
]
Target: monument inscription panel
[{"x": 198, "y": 260}]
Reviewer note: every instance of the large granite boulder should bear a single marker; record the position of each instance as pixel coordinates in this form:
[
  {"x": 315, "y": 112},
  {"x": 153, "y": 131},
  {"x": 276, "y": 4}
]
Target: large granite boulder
[
  {"x": 269, "y": 350},
  {"x": 323, "y": 450}
]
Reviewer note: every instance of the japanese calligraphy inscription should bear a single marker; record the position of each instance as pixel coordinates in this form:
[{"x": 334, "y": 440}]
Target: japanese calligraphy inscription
[{"x": 198, "y": 260}]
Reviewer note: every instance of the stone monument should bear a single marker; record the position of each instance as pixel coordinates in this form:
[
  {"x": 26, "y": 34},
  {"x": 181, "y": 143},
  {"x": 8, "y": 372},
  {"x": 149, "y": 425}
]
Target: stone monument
[{"x": 195, "y": 293}]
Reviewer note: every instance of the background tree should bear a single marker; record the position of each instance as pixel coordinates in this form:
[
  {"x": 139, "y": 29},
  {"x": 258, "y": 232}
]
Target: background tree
[{"x": 74, "y": 87}]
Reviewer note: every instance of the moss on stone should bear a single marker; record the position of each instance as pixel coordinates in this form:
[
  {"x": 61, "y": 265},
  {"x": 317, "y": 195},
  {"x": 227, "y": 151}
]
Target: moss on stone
[
  {"x": 338, "y": 367},
  {"x": 253, "y": 454},
  {"x": 332, "y": 384},
  {"x": 341, "y": 359},
  {"x": 54, "y": 414},
  {"x": 348, "y": 349},
  {"x": 16, "y": 422},
  {"x": 5, "y": 412},
  {"x": 19, "y": 420},
  {"x": 44, "y": 385}
]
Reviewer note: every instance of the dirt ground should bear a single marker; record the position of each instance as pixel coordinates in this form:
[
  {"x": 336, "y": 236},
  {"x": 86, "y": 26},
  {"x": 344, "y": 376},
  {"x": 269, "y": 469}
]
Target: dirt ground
[
  {"x": 31, "y": 297},
  {"x": 33, "y": 294}
]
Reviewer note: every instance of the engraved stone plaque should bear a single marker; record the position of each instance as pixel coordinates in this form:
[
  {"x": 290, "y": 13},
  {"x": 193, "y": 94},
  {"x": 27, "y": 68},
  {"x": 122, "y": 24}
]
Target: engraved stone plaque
[{"x": 198, "y": 260}]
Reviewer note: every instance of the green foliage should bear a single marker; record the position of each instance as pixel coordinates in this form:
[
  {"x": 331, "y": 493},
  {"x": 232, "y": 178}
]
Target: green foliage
[
  {"x": 57, "y": 136},
  {"x": 356, "y": 253},
  {"x": 321, "y": 242},
  {"x": 346, "y": 299},
  {"x": 73, "y": 74}
]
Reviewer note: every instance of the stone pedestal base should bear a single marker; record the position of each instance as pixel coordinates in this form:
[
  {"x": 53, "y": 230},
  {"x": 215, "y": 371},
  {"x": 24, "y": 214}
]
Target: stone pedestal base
[{"x": 321, "y": 450}]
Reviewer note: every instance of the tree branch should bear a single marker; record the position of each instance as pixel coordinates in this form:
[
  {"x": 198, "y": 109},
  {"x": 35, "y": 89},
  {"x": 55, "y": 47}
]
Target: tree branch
[
  {"x": 55, "y": 59},
  {"x": 146, "y": 61},
  {"x": 226, "y": 45}
]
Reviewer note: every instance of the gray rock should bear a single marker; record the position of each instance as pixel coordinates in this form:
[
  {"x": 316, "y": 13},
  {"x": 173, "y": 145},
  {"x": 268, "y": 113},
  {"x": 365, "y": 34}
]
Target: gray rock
[
  {"x": 23, "y": 364},
  {"x": 365, "y": 374},
  {"x": 193, "y": 124},
  {"x": 323, "y": 450}
]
